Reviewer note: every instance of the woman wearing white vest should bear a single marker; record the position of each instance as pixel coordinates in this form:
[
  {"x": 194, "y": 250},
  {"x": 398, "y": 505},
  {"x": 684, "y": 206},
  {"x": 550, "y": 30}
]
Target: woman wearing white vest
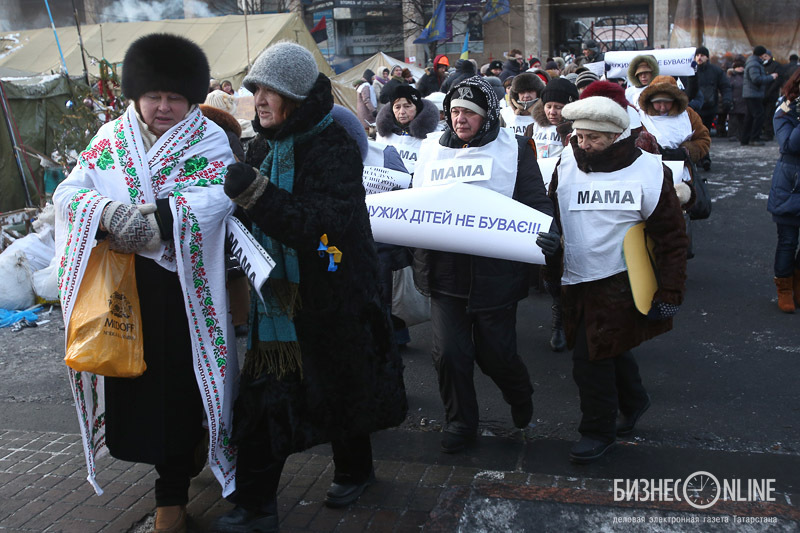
[
  {"x": 407, "y": 120},
  {"x": 526, "y": 88},
  {"x": 474, "y": 299},
  {"x": 549, "y": 129},
  {"x": 601, "y": 188},
  {"x": 641, "y": 72}
]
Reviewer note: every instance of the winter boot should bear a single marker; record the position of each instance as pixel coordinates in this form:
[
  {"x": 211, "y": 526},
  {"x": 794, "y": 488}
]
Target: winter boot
[
  {"x": 170, "y": 519},
  {"x": 558, "y": 341},
  {"x": 785, "y": 298},
  {"x": 796, "y": 288}
]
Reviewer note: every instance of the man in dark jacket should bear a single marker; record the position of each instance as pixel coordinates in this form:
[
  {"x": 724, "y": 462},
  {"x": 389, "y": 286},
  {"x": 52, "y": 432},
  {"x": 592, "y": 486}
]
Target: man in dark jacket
[
  {"x": 712, "y": 82},
  {"x": 514, "y": 65},
  {"x": 591, "y": 53},
  {"x": 464, "y": 69},
  {"x": 395, "y": 81},
  {"x": 473, "y": 298},
  {"x": 432, "y": 80},
  {"x": 771, "y": 94},
  {"x": 756, "y": 81}
]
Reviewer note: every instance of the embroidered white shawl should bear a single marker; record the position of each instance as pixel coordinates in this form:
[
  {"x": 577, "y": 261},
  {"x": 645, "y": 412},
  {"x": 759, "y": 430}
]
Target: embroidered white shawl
[{"x": 187, "y": 164}]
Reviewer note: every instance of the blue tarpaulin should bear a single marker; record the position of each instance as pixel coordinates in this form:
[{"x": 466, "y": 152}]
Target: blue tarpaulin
[{"x": 9, "y": 317}]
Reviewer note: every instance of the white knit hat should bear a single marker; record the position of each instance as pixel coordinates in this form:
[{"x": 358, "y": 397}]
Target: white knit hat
[
  {"x": 596, "y": 113},
  {"x": 285, "y": 67}
]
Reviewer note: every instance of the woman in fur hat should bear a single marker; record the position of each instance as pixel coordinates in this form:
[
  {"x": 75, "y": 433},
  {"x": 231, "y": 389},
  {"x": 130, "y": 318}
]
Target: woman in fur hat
[
  {"x": 526, "y": 88},
  {"x": 641, "y": 71},
  {"x": 150, "y": 184},
  {"x": 406, "y": 122},
  {"x": 320, "y": 365},
  {"x": 601, "y": 322}
]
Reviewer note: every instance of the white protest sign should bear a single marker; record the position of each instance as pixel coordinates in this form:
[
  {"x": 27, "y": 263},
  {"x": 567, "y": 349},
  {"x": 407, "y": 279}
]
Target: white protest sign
[
  {"x": 379, "y": 179},
  {"x": 671, "y": 61},
  {"x": 253, "y": 259},
  {"x": 546, "y": 166},
  {"x": 457, "y": 170},
  {"x": 598, "y": 68},
  {"x": 679, "y": 171},
  {"x": 460, "y": 218},
  {"x": 606, "y": 196}
]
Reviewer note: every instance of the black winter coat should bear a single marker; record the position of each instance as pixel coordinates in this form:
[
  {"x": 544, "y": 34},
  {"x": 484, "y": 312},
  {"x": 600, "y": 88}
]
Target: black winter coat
[
  {"x": 464, "y": 69},
  {"x": 388, "y": 89},
  {"x": 712, "y": 81},
  {"x": 351, "y": 380},
  {"x": 510, "y": 69},
  {"x": 487, "y": 283}
]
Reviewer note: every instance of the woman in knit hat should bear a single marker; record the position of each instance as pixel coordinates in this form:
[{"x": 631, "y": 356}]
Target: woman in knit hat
[
  {"x": 406, "y": 122},
  {"x": 320, "y": 366},
  {"x": 526, "y": 88},
  {"x": 142, "y": 178},
  {"x": 549, "y": 130},
  {"x": 601, "y": 188}
]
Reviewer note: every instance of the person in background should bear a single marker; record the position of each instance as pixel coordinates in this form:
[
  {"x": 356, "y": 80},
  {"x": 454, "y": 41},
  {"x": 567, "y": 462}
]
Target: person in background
[
  {"x": 226, "y": 86},
  {"x": 406, "y": 122},
  {"x": 142, "y": 178},
  {"x": 641, "y": 71},
  {"x": 771, "y": 93},
  {"x": 394, "y": 82},
  {"x": 495, "y": 68},
  {"x": 524, "y": 93},
  {"x": 381, "y": 79},
  {"x": 474, "y": 299},
  {"x": 464, "y": 69},
  {"x": 549, "y": 129},
  {"x": 756, "y": 81},
  {"x": 406, "y": 75},
  {"x": 739, "y": 109},
  {"x": 788, "y": 69},
  {"x": 513, "y": 65},
  {"x": 784, "y": 196},
  {"x": 367, "y": 102},
  {"x": 591, "y": 52},
  {"x": 584, "y": 79},
  {"x": 213, "y": 85},
  {"x": 584, "y": 251},
  {"x": 713, "y": 83},
  {"x": 432, "y": 80},
  {"x": 320, "y": 365}
]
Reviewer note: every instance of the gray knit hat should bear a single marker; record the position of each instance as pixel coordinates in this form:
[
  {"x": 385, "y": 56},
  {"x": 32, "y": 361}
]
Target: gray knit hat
[{"x": 285, "y": 67}]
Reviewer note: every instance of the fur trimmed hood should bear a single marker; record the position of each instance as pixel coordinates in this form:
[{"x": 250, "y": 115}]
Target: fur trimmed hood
[
  {"x": 538, "y": 114},
  {"x": 663, "y": 85},
  {"x": 647, "y": 58},
  {"x": 424, "y": 123},
  {"x": 222, "y": 118}
]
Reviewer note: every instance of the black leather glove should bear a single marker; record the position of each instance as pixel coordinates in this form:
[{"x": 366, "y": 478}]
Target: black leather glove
[
  {"x": 549, "y": 242},
  {"x": 662, "y": 311},
  {"x": 244, "y": 184},
  {"x": 673, "y": 154}
]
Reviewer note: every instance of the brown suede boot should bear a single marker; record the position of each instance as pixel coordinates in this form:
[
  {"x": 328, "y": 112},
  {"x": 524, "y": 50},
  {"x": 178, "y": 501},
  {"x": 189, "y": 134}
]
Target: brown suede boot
[
  {"x": 170, "y": 519},
  {"x": 796, "y": 287},
  {"x": 785, "y": 298}
]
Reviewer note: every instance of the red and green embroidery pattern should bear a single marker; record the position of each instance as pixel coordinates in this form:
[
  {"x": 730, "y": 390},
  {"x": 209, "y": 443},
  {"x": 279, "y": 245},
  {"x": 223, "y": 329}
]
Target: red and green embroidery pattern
[
  {"x": 79, "y": 212},
  {"x": 126, "y": 160},
  {"x": 204, "y": 316}
]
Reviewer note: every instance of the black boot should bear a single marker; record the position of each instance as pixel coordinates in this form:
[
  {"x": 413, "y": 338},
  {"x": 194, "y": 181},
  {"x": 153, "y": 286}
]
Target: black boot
[
  {"x": 241, "y": 520},
  {"x": 558, "y": 341}
]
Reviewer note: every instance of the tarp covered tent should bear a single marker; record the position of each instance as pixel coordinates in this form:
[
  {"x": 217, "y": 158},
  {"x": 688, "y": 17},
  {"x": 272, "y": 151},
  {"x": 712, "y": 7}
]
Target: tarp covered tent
[
  {"x": 344, "y": 91},
  {"x": 37, "y": 105},
  {"x": 221, "y": 38},
  {"x": 737, "y": 26}
]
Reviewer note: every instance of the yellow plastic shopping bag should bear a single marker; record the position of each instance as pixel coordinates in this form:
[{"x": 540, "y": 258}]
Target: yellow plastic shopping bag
[{"x": 105, "y": 328}]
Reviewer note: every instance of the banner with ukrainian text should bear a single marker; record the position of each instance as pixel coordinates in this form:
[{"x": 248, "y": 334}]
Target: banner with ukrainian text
[
  {"x": 671, "y": 61},
  {"x": 435, "y": 29},
  {"x": 460, "y": 218}
]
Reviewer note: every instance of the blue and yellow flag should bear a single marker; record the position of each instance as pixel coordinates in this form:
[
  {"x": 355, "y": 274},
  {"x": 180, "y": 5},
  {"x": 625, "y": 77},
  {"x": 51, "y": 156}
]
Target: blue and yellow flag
[
  {"x": 465, "y": 48},
  {"x": 495, "y": 8},
  {"x": 435, "y": 29}
]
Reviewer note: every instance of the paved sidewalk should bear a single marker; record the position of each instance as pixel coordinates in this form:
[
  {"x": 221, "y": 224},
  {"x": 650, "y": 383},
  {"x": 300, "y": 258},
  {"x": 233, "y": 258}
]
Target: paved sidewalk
[{"x": 503, "y": 484}]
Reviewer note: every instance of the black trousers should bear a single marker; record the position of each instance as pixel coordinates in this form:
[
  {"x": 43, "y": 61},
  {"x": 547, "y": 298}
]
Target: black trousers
[
  {"x": 606, "y": 387},
  {"x": 258, "y": 475},
  {"x": 461, "y": 339},
  {"x": 753, "y": 120},
  {"x": 174, "y": 476}
]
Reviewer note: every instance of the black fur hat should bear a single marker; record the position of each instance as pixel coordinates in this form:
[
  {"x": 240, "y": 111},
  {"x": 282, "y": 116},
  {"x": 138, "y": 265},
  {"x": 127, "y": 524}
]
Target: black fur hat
[{"x": 165, "y": 62}]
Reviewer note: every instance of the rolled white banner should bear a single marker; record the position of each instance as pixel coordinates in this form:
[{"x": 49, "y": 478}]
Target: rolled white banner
[
  {"x": 671, "y": 61},
  {"x": 460, "y": 218},
  {"x": 254, "y": 260},
  {"x": 379, "y": 179}
]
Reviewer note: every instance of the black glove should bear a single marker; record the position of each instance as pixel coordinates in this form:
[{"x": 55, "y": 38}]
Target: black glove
[
  {"x": 244, "y": 184},
  {"x": 549, "y": 242},
  {"x": 673, "y": 154},
  {"x": 238, "y": 179},
  {"x": 662, "y": 311},
  {"x": 727, "y": 106}
]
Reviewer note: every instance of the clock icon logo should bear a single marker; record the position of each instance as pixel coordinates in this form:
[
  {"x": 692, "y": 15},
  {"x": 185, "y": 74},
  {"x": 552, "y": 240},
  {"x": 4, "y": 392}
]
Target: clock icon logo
[{"x": 701, "y": 489}]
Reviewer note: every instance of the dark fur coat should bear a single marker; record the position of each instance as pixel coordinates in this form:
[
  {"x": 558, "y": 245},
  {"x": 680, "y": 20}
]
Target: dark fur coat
[
  {"x": 352, "y": 380},
  {"x": 422, "y": 124},
  {"x": 606, "y": 307}
]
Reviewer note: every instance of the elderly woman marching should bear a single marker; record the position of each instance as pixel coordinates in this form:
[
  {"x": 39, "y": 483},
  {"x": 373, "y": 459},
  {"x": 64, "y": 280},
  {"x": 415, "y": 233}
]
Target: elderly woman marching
[
  {"x": 600, "y": 319},
  {"x": 150, "y": 183},
  {"x": 405, "y": 122},
  {"x": 320, "y": 365}
]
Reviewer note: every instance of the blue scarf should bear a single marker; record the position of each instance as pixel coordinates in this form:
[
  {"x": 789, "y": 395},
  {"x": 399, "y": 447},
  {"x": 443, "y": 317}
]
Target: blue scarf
[{"x": 278, "y": 351}]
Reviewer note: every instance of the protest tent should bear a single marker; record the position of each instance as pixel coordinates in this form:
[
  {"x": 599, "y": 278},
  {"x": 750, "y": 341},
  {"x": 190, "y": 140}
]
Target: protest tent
[
  {"x": 344, "y": 91},
  {"x": 223, "y": 39}
]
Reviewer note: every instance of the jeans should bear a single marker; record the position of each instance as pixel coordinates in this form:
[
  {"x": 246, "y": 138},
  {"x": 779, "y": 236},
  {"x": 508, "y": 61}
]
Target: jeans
[
  {"x": 787, "y": 257},
  {"x": 753, "y": 121}
]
